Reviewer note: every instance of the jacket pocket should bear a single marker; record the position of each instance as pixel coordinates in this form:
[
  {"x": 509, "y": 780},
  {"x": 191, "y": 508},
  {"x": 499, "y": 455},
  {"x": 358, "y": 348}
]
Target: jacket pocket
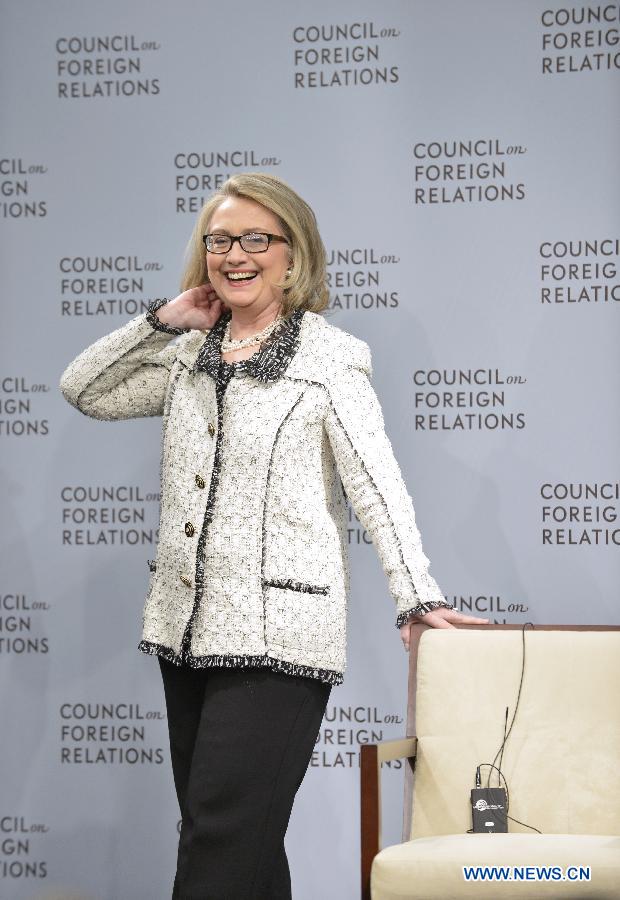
[
  {"x": 152, "y": 564},
  {"x": 301, "y": 586},
  {"x": 298, "y": 618}
]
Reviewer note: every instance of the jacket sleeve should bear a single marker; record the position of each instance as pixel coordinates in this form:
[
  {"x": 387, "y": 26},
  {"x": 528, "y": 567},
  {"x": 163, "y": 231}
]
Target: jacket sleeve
[
  {"x": 123, "y": 375},
  {"x": 374, "y": 484}
]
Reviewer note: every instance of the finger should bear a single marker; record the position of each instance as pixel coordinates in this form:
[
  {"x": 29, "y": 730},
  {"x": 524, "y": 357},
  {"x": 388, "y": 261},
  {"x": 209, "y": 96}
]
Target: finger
[
  {"x": 202, "y": 295},
  {"x": 209, "y": 299},
  {"x": 436, "y": 621},
  {"x": 405, "y": 634},
  {"x": 454, "y": 616}
]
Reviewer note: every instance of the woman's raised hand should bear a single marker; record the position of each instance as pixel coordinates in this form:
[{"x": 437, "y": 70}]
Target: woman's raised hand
[
  {"x": 442, "y": 617},
  {"x": 198, "y": 308}
]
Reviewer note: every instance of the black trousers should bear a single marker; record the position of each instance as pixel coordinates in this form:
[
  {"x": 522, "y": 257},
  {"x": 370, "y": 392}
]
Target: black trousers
[{"x": 240, "y": 742}]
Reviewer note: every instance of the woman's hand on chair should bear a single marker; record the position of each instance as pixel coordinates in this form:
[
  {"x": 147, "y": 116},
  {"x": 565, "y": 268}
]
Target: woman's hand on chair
[{"x": 442, "y": 617}]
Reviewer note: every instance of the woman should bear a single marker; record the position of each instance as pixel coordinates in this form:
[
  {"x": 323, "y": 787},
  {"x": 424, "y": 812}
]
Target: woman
[{"x": 269, "y": 424}]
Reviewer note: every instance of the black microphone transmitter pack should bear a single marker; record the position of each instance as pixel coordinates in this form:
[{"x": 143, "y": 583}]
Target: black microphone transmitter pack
[{"x": 488, "y": 810}]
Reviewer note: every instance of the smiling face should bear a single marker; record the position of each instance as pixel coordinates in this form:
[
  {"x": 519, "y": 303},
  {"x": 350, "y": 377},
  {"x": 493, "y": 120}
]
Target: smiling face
[{"x": 239, "y": 215}]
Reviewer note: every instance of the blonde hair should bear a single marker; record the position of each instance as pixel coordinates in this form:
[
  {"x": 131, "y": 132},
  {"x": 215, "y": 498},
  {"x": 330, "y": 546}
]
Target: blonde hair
[{"x": 306, "y": 286}]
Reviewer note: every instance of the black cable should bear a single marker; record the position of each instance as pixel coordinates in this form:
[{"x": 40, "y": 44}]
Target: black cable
[
  {"x": 514, "y": 715},
  {"x": 500, "y": 752},
  {"x": 500, "y": 774},
  {"x": 523, "y": 823},
  {"x": 503, "y": 744}
]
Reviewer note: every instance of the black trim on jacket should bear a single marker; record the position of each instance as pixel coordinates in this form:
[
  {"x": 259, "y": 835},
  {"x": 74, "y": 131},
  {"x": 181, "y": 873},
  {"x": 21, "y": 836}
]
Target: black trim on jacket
[{"x": 329, "y": 676}]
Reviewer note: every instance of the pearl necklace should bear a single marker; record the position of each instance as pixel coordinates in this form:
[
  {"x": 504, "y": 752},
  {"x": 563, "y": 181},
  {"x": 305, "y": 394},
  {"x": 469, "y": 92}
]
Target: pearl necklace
[{"x": 229, "y": 344}]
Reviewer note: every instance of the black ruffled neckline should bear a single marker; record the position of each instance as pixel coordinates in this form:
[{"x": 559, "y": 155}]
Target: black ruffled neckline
[{"x": 267, "y": 364}]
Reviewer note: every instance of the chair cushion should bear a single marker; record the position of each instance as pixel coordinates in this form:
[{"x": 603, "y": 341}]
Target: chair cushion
[{"x": 431, "y": 868}]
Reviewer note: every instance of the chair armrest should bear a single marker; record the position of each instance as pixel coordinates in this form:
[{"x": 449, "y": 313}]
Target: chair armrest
[{"x": 371, "y": 758}]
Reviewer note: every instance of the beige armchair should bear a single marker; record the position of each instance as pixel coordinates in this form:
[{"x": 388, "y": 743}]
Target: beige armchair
[{"x": 561, "y": 762}]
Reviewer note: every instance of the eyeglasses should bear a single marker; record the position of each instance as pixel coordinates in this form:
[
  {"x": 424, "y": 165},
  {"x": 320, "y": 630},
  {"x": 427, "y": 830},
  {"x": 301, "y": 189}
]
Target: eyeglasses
[{"x": 253, "y": 242}]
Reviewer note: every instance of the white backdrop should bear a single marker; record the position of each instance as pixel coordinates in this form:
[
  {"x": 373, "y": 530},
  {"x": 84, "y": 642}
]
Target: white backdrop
[{"x": 461, "y": 158}]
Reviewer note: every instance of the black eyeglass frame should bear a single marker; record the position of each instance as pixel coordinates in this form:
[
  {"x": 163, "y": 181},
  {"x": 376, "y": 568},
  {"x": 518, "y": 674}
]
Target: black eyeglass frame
[{"x": 239, "y": 237}]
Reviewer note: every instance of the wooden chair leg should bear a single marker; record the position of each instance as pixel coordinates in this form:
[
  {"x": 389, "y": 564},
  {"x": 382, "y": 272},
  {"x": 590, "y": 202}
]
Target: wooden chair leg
[
  {"x": 371, "y": 758},
  {"x": 370, "y": 801}
]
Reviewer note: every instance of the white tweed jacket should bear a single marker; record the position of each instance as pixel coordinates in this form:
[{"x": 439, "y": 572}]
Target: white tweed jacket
[{"x": 257, "y": 457}]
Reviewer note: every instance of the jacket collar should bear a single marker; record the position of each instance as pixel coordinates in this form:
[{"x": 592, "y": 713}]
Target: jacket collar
[{"x": 268, "y": 364}]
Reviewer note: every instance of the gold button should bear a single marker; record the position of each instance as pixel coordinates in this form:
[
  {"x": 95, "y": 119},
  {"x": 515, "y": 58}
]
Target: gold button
[
  {"x": 211, "y": 429},
  {"x": 189, "y": 529},
  {"x": 186, "y": 581},
  {"x": 200, "y": 481}
]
